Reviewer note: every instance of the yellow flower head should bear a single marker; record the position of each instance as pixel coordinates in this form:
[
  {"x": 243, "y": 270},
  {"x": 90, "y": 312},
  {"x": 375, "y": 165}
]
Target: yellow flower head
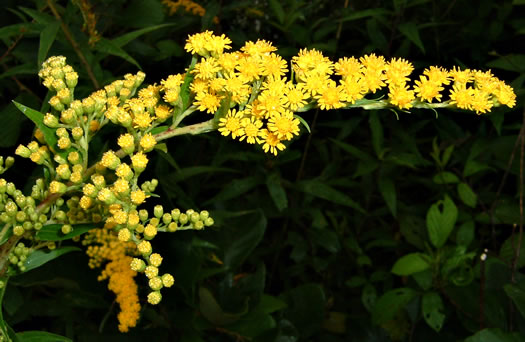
[
  {"x": 284, "y": 125},
  {"x": 331, "y": 97},
  {"x": 348, "y": 67},
  {"x": 147, "y": 142},
  {"x": 271, "y": 143},
  {"x": 139, "y": 161},
  {"x": 138, "y": 197},
  {"x": 142, "y": 120},
  {"x": 295, "y": 96},
  {"x": 401, "y": 96},
  {"x": 398, "y": 70},
  {"x": 208, "y": 102},
  {"x": 162, "y": 112},
  {"x": 251, "y": 130},
  {"x": 206, "y": 69},
  {"x": 231, "y": 124},
  {"x": 462, "y": 96},
  {"x": 427, "y": 90},
  {"x": 260, "y": 47}
]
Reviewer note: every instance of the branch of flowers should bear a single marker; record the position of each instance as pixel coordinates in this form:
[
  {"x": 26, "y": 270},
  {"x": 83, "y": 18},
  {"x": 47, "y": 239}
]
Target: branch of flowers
[{"x": 74, "y": 44}]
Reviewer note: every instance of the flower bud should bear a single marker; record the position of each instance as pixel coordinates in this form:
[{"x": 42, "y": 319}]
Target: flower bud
[
  {"x": 208, "y": 222},
  {"x": 138, "y": 265},
  {"x": 167, "y": 280},
  {"x": 66, "y": 229},
  {"x": 175, "y": 213},
  {"x": 198, "y": 225},
  {"x": 150, "y": 231},
  {"x": 151, "y": 271},
  {"x": 71, "y": 79},
  {"x": 18, "y": 230},
  {"x": 50, "y": 120},
  {"x": 155, "y": 283},
  {"x": 166, "y": 218},
  {"x": 56, "y": 104},
  {"x": 124, "y": 235},
  {"x": 158, "y": 211},
  {"x": 127, "y": 143},
  {"x": 144, "y": 247},
  {"x": 77, "y": 133},
  {"x": 155, "y": 259},
  {"x": 172, "y": 227},
  {"x": 204, "y": 214},
  {"x": 183, "y": 218},
  {"x": 57, "y": 187},
  {"x": 22, "y": 151},
  {"x": 154, "y": 298},
  {"x": 194, "y": 217},
  {"x": 65, "y": 96},
  {"x": 110, "y": 160}
]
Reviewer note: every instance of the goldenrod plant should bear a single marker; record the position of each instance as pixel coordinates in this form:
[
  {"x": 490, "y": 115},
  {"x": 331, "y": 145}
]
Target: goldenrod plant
[{"x": 252, "y": 95}]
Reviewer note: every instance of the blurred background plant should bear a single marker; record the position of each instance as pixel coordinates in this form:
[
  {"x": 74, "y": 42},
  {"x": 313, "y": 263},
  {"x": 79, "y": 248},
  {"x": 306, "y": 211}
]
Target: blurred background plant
[{"x": 371, "y": 228}]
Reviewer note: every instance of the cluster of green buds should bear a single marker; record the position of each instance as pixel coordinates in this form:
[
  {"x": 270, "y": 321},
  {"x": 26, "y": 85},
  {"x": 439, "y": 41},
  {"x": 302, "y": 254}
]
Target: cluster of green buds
[
  {"x": 17, "y": 257},
  {"x": 18, "y": 212},
  {"x": 6, "y": 164},
  {"x": 148, "y": 228}
]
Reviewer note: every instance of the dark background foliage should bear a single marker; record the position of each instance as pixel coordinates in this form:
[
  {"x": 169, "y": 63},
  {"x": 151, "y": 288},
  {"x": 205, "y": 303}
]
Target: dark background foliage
[{"x": 305, "y": 243}]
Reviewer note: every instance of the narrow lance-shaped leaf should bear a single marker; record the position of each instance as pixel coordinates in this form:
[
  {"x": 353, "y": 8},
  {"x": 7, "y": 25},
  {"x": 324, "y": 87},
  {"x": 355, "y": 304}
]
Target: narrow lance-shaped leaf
[
  {"x": 39, "y": 258},
  {"x": 47, "y": 37}
]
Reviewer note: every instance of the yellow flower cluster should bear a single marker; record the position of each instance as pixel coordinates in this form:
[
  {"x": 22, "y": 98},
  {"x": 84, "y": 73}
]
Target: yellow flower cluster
[
  {"x": 105, "y": 247},
  {"x": 262, "y": 100}
]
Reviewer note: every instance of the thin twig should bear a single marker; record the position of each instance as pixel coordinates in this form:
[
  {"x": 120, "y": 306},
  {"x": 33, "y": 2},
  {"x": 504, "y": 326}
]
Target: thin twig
[
  {"x": 74, "y": 44},
  {"x": 12, "y": 46}
]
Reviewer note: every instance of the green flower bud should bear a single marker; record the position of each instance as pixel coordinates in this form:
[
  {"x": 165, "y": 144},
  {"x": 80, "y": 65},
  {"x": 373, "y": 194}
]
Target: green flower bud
[
  {"x": 9, "y": 161},
  {"x": 189, "y": 212},
  {"x": 38, "y": 226},
  {"x": 194, "y": 217},
  {"x": 198, "y": 225},
  {"x": 155, "y": 283},
  {"x": 60, "y": 215},
  {"x": 143, "y": 215},
  {"x": 10, "y": 188},
  {"x": 66, "y": 229},
  {"x": 154, "y": 298},
  {"x": 158, "y": 211},
  {"x": 22, "y": 151},
  {"x": 11, "y": 208},
  {"x": 77, "y": 107},
  {"x": 208, "y": 222},
  {"x": 50, "y": 120},
  {"x": 167, "y": 280},
  {"x": 183, "y": 218},
  {"x": 175, "y": 213},
  {"x": 27, "y": 225},
  {"x": 138, "y": 265},
  {"x": 4, "y": 217},
  {"x": 172, "y": 227},
  {"x": 204, "y": 215},
  {"x": 154, "y": 183},
  {"x": 21, "y": 216},
  {"x": 166, "y": 218},
  {"x": 18, "y": 230},
  {"x": 71, "y": 79}
]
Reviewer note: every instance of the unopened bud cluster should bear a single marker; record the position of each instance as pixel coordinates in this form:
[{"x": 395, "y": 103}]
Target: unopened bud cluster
[{"x": 17, "y": 257}]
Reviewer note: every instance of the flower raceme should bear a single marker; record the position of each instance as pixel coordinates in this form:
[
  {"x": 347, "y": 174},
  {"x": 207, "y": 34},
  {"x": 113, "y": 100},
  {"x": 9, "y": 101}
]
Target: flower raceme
[{"x": 263, "y": 99}]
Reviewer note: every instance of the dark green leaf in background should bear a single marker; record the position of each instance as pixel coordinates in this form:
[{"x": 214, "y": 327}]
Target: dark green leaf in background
[
  {"x": 432, "y": 308},
  {"x": 47, "y": 37},
  {"x": 38, "y": 258},
  {"x": 388, "y": 305},
  {"x": 410, "y": 264},
  {"x": 441, "y": 218}
]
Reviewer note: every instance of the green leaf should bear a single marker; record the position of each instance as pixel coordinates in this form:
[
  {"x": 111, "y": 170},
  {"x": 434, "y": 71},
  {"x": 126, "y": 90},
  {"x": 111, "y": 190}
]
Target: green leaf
[
  {"x": 38, "y": 258},
  {"x": 509, "y": 248},
  {"x": 39, "y": 16},
  {"x": 269, "y": 304},
  {"x": 473, "y": 166},
  {"x": 369, "y": 297},
  {"x": 377, "y": 133},
  {"x": 273, "y": 183},
  {"x": 355, "y": 15},
  {"x": 388, "y": 305},
  {"x": 236, "y": 188},
  {"x": 495, "y": 335},
  {"x": 192, "y": 171},
  {"x": 445, "y": 177},
  {"x": 354, "y": 151},
  {"x": 23, "y": 69},
  {"x": 17, "y": 29},
  {"x": 278, "y": 10},
  {"x": 41, "y": 336},
  {"x": 38, "y": 119},
  {"x": 441, "y": 222},
  {"x": 303, "y": 121},
  {"x": 517, "y": 294},
  {"x": 11, "y": 125},
  {"x": 212, "y": 311},
  {"x": 47, "y": 37},
  {"x": 465, "y": 233},
  {"x": 410, "y": 264},
  {"x": 306, "y": 309},
  {"x": 411, "y": 31},
  {"x": 108, "y": 47},
  {"x": 512, "y": 62},
  {"x": 432, "y": 308},
  {"x": 388, "y": 191},
  {"x": 185, "y": 87},
  {"x": 467, "y": 195},
  {"x": 446, "y": 155},
  {"x": 52, "y": 232},
  {"x": 246, "y": 239},
  {"x": 128, "y": 37},
  {"x": 326, "y": 192}
]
